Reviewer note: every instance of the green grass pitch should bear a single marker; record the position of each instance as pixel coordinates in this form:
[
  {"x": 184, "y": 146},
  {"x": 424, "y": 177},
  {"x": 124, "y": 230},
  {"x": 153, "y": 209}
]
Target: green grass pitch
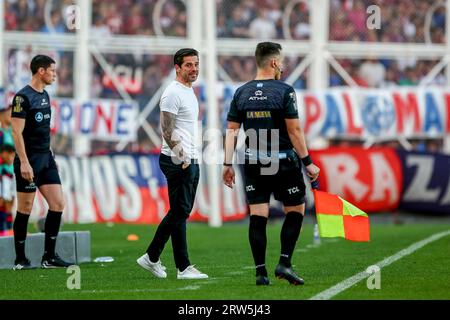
[{"x": 224, "y": 254}]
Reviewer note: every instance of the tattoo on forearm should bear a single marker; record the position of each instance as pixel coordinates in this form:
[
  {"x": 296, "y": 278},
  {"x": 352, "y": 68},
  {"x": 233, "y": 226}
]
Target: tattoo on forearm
[{"x": 173, "y": 141}]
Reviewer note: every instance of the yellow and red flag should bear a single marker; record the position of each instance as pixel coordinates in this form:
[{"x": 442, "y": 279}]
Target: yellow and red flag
[{"x": 339, "y": 218}]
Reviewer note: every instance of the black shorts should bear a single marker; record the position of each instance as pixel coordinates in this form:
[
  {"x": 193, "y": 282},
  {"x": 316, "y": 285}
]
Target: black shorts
[
  {"x": 287, "y": 185},
  {"x": 44, "y": 169}
]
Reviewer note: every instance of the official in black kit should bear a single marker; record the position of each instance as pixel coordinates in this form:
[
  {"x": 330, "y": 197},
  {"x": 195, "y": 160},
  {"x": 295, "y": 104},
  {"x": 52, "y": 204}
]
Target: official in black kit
[
  {"x": 275, "y": 150},
  {"x": 34, "y": 164}
]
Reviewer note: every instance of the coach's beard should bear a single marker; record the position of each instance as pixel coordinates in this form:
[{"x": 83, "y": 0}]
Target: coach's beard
[{"x": 193, "y": 77}]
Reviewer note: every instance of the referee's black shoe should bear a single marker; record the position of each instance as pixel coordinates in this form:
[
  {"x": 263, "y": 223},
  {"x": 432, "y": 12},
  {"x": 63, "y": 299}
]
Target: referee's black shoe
[
  {"x": 283, "y": 272},
  {"x": 54, "y": 262},
  {"x": 262, "y": 280},
  {"x": 22, "y": 264}
]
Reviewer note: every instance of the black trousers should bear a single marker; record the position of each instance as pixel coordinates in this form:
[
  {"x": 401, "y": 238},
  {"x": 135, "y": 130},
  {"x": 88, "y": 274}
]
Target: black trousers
[{"x": 182, "y": 185}]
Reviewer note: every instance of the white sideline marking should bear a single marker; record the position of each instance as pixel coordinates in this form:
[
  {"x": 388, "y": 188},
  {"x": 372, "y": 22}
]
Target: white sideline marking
[
  {"x": 143, "y": 290},
  {"x": 347, "y": 283}
]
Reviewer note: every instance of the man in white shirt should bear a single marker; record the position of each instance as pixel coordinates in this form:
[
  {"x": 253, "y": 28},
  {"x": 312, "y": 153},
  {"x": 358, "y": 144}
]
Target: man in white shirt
[
  {"x": 262, "y": 27},
  {"x": 178, "y": 162}
]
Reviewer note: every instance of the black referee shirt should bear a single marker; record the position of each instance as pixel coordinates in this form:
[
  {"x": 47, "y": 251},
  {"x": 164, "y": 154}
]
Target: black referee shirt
[
  {"x": 34, "y": 107},
  {"x": 265, "y": 104}
]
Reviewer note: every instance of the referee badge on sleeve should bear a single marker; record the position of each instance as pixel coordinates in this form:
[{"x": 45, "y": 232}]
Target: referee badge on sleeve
[
  {"x": 18, "y": 104},
  {"x": 292, "y": 96}
]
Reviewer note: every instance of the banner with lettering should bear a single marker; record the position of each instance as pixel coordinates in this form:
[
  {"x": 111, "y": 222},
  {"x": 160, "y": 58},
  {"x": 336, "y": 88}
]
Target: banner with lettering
[
  {"x": 371, "y": 179},
  {"x": 363, "y": 113},
  {"x": 131, "y": 188},
  {"x": 366, "y": 113},
  {"x": 100, "y": 119},
  {"x": 426, "y": 182}
]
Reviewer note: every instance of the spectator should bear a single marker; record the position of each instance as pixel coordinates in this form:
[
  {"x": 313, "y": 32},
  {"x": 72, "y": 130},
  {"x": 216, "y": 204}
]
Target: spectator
[
  {"x": 262, "y": 27},
  {"x": 373, "y": 72},
  {"x": 56, "y": 23}
]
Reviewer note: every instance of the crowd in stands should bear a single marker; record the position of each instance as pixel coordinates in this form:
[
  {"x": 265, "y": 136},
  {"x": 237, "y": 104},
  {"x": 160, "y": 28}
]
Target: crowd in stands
[
  {"x": 18, "y": 72},
  {"x": 400, "y": 21},
  {"x": 125, "y": 17},
  {"x": 262, "y": 19},
  {"x": 135, "y": 17},
  {"x": 243, "y": 69},
  {"x": 30, "y": 15},
  {"x": 385, "y": 73}
]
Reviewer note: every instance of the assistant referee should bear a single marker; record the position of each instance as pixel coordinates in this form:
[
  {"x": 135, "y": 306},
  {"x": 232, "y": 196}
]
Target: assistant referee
[
  {"x": 267, "y": 108},
  {"x": 34, "y": 164}
]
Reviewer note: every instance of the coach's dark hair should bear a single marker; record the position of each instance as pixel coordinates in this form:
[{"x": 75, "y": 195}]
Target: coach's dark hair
[
  {"x": 266, "y": 50},
  {"x": 185, "y": 52},
  {"x": 40, "y": 61}
]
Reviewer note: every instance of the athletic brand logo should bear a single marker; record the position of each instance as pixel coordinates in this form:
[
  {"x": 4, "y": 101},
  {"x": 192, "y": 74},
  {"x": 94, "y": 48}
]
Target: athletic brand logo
[
  {"x": 39, "y": 116},
  {"x": 258, "y": 96},
  {"x": 44, "y": 102},
  {"x": 249, "y": 188},
  {"x": 32, "y": 185}
]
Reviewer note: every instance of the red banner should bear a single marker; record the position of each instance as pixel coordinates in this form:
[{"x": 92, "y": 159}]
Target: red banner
[{"x": 371, "y": 179}]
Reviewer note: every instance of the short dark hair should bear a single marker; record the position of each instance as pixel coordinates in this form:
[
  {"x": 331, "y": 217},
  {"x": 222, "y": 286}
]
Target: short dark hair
[
  {"x": 265, "y": 50},
  {"x": 40, "y": 61},
  {"x": 185, "y": 52}
]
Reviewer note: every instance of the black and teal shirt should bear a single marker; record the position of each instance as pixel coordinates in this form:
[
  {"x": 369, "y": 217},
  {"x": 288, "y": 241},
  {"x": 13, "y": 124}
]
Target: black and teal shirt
[
  {"x": 34, "y": 107},
  {"x": 265, "y": 104}
]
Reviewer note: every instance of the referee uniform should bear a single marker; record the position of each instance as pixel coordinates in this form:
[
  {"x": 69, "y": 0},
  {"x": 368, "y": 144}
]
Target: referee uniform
[
  {"x": 264, "y": 105},
  {"x": 34, "y": 107},
  {"x": 34, "y": 163},
  {"x": 275, "y": 150}
]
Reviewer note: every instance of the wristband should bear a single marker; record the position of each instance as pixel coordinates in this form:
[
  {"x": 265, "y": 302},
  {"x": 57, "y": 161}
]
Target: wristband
[
  {"x": 306, "y": 161},
  {"x": 227, "y": 164}
]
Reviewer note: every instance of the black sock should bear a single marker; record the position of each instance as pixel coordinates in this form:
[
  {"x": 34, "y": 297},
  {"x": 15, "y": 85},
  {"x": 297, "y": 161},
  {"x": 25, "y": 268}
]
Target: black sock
[
  {"x": 20, "y": 234},
  {"x": 52, "y": 224},
  {"x": 258, "y": 242},
  {"x": 289, "y": 236}
]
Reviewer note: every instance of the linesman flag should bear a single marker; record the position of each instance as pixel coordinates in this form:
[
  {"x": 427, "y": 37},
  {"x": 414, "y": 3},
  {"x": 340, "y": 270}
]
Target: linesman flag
[{"x": 339, "y": 218}]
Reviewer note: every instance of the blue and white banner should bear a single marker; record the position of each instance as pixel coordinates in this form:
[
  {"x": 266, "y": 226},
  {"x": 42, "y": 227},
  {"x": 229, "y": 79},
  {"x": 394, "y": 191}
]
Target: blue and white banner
[
  {"x": 426, "y": 181},
  {"x": 364, "y": 113},
  {"x": 384, "y": 113},
  {"x": 100, "y": 119}
]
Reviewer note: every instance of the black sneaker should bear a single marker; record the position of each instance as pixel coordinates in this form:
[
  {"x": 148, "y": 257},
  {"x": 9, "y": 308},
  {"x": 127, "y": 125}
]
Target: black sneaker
[
  {"x": 22, "y": 264},
  {"x": 262, "y": 280},
  {"x": 54, "y": 262},
  {"x": 282, "y": 272}
]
